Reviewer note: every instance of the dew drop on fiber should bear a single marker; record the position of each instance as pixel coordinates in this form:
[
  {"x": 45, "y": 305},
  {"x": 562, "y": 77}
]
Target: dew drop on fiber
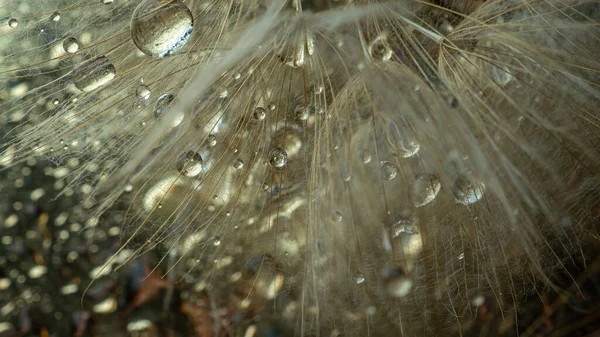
[
  {"x": 92, "y": 74},
  {"x": 423, "y": 189},
  {"x": 13, "y": 23},
  {"x": 160, "y": 28},
  {"x": 71, "y": 45},
  {"x": 388, "y": 170},
  {"x": 189, "y": 164},
  {"x": 143, "y": 92},
  {"x": 278, "y": 158}
]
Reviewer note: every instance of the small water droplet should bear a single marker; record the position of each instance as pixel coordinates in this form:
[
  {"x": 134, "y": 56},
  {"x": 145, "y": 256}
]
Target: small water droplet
[
  {"x": 388, "y": 170},
  {"x": 71, "y": 45},
  {"x": 336, "y": 216},
  {"x": 301, "y": 112},
  {"x": 380, "y": 50},
  {"x": 92, "y": 74},
  {"x": 359, "y": 277},
  {"x": 259, "y": 113},
  {"x": 13, "y": 23},
  {"x": 238, "y": 164},
  {"x": 365, "y": 156},
  {"x": 163, "y": 103},
  {"x": 160, "y": 28},
  {"x": 216, "y": 241},
  {"x": 189, "y": 164},
  {"x": 143, "y": 92},
  {"x": 278, "y": 157},
  {"x": 55, "y": 17},
  {"x": 212, "y": 140}
]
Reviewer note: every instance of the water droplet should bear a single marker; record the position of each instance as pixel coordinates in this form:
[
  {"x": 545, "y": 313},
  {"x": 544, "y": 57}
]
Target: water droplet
[
  {"x": 92, "y": 74},
  {"x": 336, "y": 216},
  {"x": 55, "y": 17},
  {"x": 163, "y": 103},
  {"x": 212, "y": 140},
  {"x": 216, "y": 241},
  {"x": 388, "y": 170},
  {"x": 380, "y": 50},
  {"x": 71, "y": 45},
  {"x": 271, "y": 106},
  {"x": 107, "y": 2},
  {"x": 301, "y": 112},
  {"x": 365, "y": 156},
  {"x": 160, "y": 28},
  {"x": 423, "y": 189},
  {"x": 189, "y": 164},
  {"x": 238, "y": 164},
  {"x": 259, "y": 113},
  {"x": 143, "y": 92},
  {"x": 13, "y": 23},
  {"x": 359, "y": 277},
  {"x": 407, "y": 222},
  {"x": 278, "y": 157},
  {"x": 467, "y": 189}
]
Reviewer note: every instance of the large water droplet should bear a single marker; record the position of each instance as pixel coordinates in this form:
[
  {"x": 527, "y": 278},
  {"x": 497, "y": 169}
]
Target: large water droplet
[
  {"x": 189, "y": 164},
  {"x": 93, "y": 74},
  {"x": 423, "y": 189},
  {"x": 160, "y": 28}
]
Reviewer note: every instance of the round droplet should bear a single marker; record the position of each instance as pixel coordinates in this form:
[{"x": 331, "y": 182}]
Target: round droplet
[
  {"x": 71, "y": 45},
  {"x": 160, "y": 28},
  {"x": 259, "y": 113},
  {"x": 271, "y": 106},
  {"x": 55, "y": 17},
  {"x": 278, "y": 157},
  {"x": 238, "y": 164},
  {"x": 336, "y": 216},
  {"x": 468, "y": 190},
  {"x": 13, "y": 23},
  {"x": 365, "y": 156},
  {"x": 380, "y": 50},
  {"x": 301, "y": 112},
  {"x": 216, "y": 241},
  {"x": 143, "y": 92},
  {"x": 107, "y": 2},
  {"x": 189, "y": 164},
  {"x": 163, "y": 103},
  {"x": 359, "y": 277},
  {"x": 211, "y": 140},
  {"x": 388, "y": 170},
  {"x": 92, "y": 74},
  {"x": 423, "y": 189}
]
